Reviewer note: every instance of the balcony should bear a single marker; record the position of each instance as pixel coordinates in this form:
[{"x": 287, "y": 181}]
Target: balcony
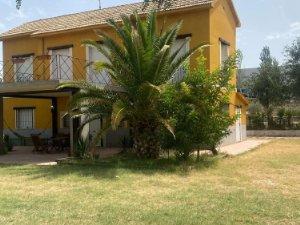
[
  {"x": 50, "y": 68},
  {"x": 30, "y": 73}
]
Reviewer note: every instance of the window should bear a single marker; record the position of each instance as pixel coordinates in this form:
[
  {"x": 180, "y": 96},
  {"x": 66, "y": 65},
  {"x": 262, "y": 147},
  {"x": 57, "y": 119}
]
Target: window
[
  {"x": 24, "y": 118},
  {"x": 224, "y": 51},
  {"x": 184, "y": 46},
  {"x": 94, "y": 76},
  {"x": 23, "y": 67}
]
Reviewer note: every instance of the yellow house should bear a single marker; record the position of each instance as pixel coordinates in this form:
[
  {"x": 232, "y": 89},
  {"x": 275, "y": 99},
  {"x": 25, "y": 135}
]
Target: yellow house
[{"x": 41, "y": 54}]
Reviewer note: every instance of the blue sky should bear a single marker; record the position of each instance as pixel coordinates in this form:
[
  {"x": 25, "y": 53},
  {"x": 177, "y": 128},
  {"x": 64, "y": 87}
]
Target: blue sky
[{"x": 275, "y": 23}]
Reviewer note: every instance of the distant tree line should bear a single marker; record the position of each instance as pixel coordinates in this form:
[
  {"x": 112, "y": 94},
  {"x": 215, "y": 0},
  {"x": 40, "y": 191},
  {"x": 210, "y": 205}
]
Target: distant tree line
[{"x": 274, "y": 85}]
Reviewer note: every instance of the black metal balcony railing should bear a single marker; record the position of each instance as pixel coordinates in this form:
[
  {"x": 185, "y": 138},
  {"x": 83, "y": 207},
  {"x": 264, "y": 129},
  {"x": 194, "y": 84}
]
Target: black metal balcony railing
[
  {"x": 46, "y": 67},
  {"x": 58, "y": 67}
]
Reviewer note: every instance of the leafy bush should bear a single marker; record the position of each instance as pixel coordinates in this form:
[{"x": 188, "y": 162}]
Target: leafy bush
[
  {"x": 281, "y": 118},
  {"x": 196, "y": 108},
  {"x": 81, "y": 148},
  {"x": 285, "y": 119},
  {"x": 3, "y": 150},
  {"x": 256, "y": 121},
  {"x": 127, "y": 143},
  {"x": 7, "y": 145},
  {"x": 289, "y": 117}
]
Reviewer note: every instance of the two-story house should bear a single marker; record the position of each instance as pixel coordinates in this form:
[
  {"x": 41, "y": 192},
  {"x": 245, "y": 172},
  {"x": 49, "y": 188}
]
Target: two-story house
[{"x": 39, "y": 55}]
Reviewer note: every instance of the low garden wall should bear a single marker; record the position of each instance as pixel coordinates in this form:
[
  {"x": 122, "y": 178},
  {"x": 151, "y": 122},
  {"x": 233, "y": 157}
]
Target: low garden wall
[{"x": 273, "y": 133}]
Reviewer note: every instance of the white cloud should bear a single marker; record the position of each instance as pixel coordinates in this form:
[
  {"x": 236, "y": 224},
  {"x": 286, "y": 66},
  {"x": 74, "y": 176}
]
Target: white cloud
[
  {"x": 292, "y": 32},
  {"x": 295, "y": 26},
  {"x": 16, "y": 15},
  {"x": 41, "y": 12}
]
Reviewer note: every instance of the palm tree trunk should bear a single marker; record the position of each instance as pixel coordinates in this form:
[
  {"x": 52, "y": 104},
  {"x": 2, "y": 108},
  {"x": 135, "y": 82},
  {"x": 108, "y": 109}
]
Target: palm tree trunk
[{"x": 146, "y": 141}]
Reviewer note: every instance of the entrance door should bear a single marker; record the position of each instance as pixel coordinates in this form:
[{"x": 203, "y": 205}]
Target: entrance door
[
  {"x": 238, "y": 129},
  {"x": 95, "y": 76},
  {"x": 61, "y": 64}
]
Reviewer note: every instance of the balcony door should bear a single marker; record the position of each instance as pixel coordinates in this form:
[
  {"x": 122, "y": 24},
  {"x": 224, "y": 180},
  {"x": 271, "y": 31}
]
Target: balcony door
[
  {"x": 95, "y": 76},
  {"x": 61, "y": 64},
  {"x": 23, "y": 68}
]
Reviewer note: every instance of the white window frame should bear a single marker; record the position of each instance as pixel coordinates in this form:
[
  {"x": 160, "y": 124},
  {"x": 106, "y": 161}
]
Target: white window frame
[
  {"x": 221, "y": 43},
  {"x": 33, "y": 118}
]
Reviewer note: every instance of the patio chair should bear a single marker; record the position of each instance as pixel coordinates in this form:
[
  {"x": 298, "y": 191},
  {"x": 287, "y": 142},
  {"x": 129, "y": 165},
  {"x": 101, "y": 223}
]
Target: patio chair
[{"x": 40, "y": 145}]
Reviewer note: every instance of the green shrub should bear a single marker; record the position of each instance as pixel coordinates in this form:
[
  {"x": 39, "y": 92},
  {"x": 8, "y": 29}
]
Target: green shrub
[
  {"x": 289, "y": 117},
  {"x": 81, "y": 148},
  {"x": 196, "y": 108},
  {"x": 256, "y": 121},
  {"x": 281, "y": 118},
  {"x": 3, "y": 150},
  {"x": 7, "y": 145}
]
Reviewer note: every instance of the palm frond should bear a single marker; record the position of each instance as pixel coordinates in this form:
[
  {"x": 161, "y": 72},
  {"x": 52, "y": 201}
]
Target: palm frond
[
  {"x": 118, "y": 114},
  {"x": 180, "y": 61}
]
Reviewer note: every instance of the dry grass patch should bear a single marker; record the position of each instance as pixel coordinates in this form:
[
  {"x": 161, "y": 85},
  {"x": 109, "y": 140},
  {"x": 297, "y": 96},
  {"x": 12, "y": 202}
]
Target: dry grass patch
[{"x": 260, "y": 187}]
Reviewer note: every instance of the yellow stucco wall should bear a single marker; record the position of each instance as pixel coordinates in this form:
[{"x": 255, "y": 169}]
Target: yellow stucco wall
[
  {"x": 223, "y": 25},
  {"x": 205, "y": 25},
  {"x": 62, "y": 107},
  {"x": 42, "y": 111}
]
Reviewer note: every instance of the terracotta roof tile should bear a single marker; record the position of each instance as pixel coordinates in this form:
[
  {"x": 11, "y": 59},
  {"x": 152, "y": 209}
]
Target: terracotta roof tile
[{"x": 89, "y": 18}]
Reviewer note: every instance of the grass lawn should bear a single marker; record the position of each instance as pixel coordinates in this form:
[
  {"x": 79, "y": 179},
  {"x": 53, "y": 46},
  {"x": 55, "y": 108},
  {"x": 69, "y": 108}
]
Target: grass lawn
[{"x": 259, "y": 187}]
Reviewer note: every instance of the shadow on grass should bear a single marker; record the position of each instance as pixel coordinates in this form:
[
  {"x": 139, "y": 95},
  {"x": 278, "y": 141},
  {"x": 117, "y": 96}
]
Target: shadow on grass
[{"x": 117, "y": 165}]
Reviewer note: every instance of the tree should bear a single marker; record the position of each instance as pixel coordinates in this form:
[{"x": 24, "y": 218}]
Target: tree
[
  {"x": 18, "y": 3},
  {"x": 269, "y": 85},
  {"x": 197, "y": 108},
  {"x": 160, "y": 3},
  {"x": 139, "y": 67},
  {"x": 292, "y": 67}
]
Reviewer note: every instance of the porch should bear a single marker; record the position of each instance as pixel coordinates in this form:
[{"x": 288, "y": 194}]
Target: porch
[
  {"x": 25, "y": 155},
  {"x": 37, "y": 103},
  {"x": 37, "y": 77}
]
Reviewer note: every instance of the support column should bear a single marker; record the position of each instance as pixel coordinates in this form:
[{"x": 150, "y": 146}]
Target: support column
[
  {"x": 54, "y": 116},
  {"x": 74, "y": 125},
  {"x": 71, "y": 151},
  {"x": 1, "y": 123}
]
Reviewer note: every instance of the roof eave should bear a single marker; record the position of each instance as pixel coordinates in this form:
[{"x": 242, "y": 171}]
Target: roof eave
[
  {"x": 12, "y": 36},
  {"x": 243, "y": 98},
  {"x": 98, "y": 26},
  {"x": 235, "y": 14}
]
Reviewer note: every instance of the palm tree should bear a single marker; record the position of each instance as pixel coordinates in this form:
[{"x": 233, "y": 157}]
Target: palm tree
[{"x": 139, "y": 66}]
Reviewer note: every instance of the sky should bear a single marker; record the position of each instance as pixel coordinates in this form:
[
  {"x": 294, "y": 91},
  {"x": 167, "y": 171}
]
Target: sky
[{"x": 273, "y": 23}]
